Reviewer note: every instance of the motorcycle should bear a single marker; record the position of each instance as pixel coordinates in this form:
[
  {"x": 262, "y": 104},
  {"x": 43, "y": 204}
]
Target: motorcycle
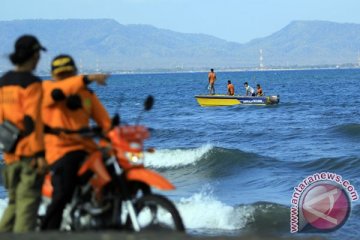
[{"x": 115, "y": 189}]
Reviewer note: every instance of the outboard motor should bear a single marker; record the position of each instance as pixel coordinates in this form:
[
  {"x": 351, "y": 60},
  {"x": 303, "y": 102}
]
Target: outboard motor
[{"x": 274, "y": 99}]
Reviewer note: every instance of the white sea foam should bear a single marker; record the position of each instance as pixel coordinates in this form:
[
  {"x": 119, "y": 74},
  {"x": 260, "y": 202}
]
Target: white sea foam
[
  {"x": 204, "y": 211},
  {"x": 176, "y": 157}
]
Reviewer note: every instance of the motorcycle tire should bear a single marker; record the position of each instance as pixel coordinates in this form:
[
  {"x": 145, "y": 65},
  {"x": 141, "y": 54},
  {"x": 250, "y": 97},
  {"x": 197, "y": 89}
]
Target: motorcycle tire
[{"x": 152, "y": 205}]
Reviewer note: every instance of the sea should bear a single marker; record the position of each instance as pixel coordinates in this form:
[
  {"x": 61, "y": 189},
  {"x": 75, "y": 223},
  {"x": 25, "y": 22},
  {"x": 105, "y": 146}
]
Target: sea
[{"x": 235, "y": 168}]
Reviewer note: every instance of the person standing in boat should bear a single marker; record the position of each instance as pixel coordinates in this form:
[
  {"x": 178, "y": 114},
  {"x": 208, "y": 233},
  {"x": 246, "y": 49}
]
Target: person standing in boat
[
  {"x": 249, "y": 90},
  {"x": 212, "y": 79},
  {"x": 230, "y": 88},
  {"x": 259, "y": 91}
]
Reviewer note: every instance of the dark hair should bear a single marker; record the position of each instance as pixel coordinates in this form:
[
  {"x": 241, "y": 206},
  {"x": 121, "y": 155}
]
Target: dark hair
[
  {"x": 25, "y": 48},
  {"x": 212, "y": 69},
  {"x": 229, "y": 81},
  {"x": 20, "y": 57},
  {"x": 258, "y": 85},
  {"x": 246, "y": 83}
]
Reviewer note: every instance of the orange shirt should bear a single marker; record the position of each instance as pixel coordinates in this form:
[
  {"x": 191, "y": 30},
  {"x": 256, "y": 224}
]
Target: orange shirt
[
  {"x": 21, "y": 96},
  {"x": 58, "y": 115}
]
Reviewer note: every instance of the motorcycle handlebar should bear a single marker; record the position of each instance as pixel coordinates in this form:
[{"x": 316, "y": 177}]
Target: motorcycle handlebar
[{"x": 91, "y": 132}]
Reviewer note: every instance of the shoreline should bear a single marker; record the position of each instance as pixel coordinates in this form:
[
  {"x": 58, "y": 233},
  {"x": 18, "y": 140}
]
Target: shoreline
[
  {"x": 219, "y": 70},
  {"x": 114, "y": 235}
]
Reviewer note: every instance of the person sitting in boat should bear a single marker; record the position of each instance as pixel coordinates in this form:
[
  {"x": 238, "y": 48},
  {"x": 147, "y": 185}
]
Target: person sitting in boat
[
  {"x": 259, "y": 91},
  {"x": 230, "y": 88},
  {"x": 249, "y": 90}
]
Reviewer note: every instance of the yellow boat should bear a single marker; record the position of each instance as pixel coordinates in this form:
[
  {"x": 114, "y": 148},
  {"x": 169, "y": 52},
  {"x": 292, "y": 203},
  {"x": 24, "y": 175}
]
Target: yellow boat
[{"x": 226, "y": 100}]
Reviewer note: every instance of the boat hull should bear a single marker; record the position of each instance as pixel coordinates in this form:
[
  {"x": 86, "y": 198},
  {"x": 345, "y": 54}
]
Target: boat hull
[{"x": 226, "y": 100}]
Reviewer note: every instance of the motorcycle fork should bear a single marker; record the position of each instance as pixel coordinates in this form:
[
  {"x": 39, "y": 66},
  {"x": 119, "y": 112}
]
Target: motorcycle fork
[
  {"x": 128, "y": 204},
  {"x": 121, "y": 177},
  {"x": 132, "y": 214}
]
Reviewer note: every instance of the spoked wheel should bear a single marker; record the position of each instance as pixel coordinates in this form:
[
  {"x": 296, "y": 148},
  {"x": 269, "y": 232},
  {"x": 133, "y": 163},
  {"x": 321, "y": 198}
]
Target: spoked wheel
[{"x": 155, "y": 212}]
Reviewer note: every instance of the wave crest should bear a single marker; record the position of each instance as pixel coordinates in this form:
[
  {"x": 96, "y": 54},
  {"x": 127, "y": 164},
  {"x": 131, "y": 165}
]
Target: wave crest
[
  {"x": 173, "y": 158},
  {"x": 206, "y": 155},
  {"x": 204, "y": 211}
]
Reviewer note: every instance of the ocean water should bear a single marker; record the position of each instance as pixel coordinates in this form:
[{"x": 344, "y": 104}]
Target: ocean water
[{"x": 235, "y": 168}]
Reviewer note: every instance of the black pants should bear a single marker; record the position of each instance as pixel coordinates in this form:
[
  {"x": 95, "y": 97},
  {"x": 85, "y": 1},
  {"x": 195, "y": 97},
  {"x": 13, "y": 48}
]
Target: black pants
[{"x": 64, "y": 179}]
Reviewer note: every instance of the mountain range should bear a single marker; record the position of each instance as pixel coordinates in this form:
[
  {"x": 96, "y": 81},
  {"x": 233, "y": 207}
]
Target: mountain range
[{"x": 106, "y": 45}]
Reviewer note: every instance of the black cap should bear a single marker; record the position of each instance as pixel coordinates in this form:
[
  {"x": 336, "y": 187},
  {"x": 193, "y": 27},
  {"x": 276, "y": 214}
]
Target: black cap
[
  {"x": 28, "y": 43},
  {"x": 25, "y": 47},
  {"x": 62, "y": 63}
]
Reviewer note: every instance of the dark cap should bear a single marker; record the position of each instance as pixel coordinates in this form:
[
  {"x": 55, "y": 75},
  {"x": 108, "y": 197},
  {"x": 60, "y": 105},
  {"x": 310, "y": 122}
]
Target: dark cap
[
  {"x": 62, "y": 63},
  {"x": 28, "y": 43},
  {"x": 25, "y": 47}
]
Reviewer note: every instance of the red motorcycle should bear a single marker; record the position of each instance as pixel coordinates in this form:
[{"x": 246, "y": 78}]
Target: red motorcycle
[{"x": 115, "y": 189}]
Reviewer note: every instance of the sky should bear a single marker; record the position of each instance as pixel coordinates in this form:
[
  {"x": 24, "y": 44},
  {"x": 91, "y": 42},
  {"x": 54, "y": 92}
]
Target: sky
[{"x": 233, "y": 20}]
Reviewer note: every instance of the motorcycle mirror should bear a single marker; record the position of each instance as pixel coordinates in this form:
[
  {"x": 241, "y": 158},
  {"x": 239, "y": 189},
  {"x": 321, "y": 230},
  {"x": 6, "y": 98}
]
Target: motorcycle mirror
[
  {"x": 115, "y": 121},
  {"x": 149, "y": 102}
]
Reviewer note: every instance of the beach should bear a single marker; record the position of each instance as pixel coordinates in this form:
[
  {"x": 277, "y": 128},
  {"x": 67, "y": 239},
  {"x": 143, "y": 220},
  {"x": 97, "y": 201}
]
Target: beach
[{"x": 139, "y": 236}]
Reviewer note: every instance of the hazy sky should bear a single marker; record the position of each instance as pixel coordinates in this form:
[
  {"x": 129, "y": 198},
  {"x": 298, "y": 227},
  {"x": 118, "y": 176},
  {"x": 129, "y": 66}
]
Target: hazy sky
[{"x": 233, "y": 20}]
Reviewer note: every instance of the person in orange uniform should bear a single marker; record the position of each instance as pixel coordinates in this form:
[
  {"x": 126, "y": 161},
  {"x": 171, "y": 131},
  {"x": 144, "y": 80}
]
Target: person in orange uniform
[
  {"x": 20, "y": 96},
  {"x": 67, "y": 107},
  {"x": 259, "y": 91},
  {"x": 212, "y": 79},
  {"x": 230, "y": 88}
]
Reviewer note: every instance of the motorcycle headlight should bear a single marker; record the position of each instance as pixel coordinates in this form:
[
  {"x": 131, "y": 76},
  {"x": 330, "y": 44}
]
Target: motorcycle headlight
[{"x": 136, "y": 158}]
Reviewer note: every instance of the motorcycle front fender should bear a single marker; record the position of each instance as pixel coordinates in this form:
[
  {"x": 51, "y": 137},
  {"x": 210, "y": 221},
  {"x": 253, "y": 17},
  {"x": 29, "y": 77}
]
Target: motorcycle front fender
[{"x": 149, "y": 177}]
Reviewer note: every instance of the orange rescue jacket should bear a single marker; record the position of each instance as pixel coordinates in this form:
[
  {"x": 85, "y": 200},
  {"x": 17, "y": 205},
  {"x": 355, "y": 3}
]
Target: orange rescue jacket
[
  {"x": 20, "y": 103},
  {"x": 57, "y": 115}
]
